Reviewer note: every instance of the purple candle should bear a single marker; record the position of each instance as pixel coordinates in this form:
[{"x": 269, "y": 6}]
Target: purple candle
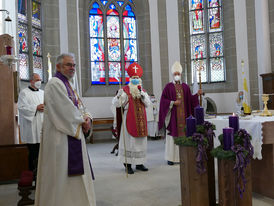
[
  {"x": 190, "y": 126},
  {"x": 199, "y": 115},
  {"x": 234, "y": 122},
  {"x": 228, "y": 138}
]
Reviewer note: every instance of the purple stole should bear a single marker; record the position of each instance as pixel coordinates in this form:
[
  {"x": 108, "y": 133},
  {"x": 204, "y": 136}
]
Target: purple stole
[{"x": 75, "y": 158}]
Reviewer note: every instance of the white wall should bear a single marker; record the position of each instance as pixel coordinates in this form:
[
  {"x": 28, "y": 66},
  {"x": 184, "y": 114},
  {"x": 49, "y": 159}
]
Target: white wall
[
  {"x": 99, "y": 107},
  {"x": 225, "y": 102},
  {"x": 9, "y": 27},
  {"x": 172, "y": 33}
]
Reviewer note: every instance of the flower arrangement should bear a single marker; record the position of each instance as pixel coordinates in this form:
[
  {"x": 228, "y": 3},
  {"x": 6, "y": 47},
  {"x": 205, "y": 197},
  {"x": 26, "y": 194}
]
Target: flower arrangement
[
  {"x": 203, "y": 140},
  {"x": 242, "y": 152}
]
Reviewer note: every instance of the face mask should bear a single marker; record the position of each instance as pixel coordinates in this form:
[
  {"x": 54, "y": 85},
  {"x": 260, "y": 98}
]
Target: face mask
[
  {"x": 177, "y": 78},
  {"x": 153, "y": 99},
  {"x": 38, "y": 84},
  {"x": 135, "y": 81},
  {"x": 241, "y": 97}
]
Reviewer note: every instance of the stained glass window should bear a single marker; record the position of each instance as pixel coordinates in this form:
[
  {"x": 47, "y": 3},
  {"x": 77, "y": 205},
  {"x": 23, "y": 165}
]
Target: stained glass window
[
  {"x": 30, "y": 47},
  {"x": 38, "y": 66},
  {"x": 109, "y": 64},
  {"x": 199, "y": 65},
  {"x": 36, "y": 18},
  {"x": 24, "y": 66},
  {"x": 97, "y": 53},
  {"x": 216, "y": 44},
  {"x": 23, "y": 41},
  {"x": 206, "y": 31},
  {"x": 130, "y": 38},
  {"x": 198, "y": 44},
  {"x": 36, "y": 42},
  {"x": 22, "y": 10}
]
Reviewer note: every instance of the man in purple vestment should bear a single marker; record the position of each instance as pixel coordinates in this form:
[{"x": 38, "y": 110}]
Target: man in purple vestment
[
  {"x": 64, "y": 170},
  {"x": 176, "y": 104}
]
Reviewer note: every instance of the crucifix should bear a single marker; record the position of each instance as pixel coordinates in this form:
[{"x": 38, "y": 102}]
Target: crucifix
[
  {"x": 135, "y": 68},
  {"x": 201, "y": 67}
]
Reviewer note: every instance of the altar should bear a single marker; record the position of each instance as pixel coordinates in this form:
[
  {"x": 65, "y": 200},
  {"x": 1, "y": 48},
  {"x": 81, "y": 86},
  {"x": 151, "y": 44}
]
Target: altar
[{"x": 262, "y": 131}]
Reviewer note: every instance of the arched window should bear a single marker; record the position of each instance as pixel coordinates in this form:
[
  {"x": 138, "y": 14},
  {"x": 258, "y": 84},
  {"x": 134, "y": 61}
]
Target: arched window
[
  {"x": 206, "y": 39},
  {"x": 112, "y": 23},
  {"x": 30, "y": 38}
]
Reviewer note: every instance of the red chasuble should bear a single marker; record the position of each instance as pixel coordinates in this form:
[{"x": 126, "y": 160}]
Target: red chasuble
[{"x": 136, "y": 116}]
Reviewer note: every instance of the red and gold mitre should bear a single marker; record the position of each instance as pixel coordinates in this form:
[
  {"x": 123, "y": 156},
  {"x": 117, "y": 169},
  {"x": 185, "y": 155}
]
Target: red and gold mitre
[{"x": 135, "y": 70}]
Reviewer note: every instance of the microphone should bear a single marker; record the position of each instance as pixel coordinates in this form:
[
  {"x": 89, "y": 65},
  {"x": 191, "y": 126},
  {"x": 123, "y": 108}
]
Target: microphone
[{"x": 140, "y": 88}]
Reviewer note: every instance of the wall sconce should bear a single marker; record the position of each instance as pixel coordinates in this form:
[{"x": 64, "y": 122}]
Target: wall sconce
[{"x": 8, "y": 17}]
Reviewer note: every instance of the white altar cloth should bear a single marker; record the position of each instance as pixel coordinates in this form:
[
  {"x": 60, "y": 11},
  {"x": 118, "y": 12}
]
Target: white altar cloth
[{"x": 252, "y": 124}]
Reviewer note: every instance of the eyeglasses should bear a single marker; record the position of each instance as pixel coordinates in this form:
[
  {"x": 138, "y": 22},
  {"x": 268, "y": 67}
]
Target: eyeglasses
[{"x": 70, "y": 65}]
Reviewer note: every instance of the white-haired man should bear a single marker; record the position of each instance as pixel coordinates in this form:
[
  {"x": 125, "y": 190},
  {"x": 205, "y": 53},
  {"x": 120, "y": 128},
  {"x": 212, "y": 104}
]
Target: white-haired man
[
  {"x": 64, "y": 171},
  {"x": 177, "y": 103},
  {"x": 133, "y": 137}
]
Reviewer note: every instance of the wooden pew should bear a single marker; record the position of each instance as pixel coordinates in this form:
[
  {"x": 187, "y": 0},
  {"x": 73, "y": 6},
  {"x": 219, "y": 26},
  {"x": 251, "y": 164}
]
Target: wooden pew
[{"x": 101, "y": 125}]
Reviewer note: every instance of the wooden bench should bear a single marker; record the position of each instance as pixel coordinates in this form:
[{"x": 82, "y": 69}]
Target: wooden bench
[{"x": 101, "y": 125}]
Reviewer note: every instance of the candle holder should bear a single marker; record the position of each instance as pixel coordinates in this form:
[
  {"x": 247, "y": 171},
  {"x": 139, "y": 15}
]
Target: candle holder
[
  {"x": 9, "y": 60},
  {"x": 265, "y": 98}
]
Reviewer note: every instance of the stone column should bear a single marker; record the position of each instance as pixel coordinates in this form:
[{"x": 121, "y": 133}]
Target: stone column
[
  {"x": 263, "y": 42},
  {"x": 172, "y": 33},
  {"x": 63, "y": 24},
  {"x": 155, "y": 49}
]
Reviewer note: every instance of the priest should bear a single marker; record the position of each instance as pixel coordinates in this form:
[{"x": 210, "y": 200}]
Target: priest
[
  {"x": 133, "y": 134},
  {"x": 64, "y": 171},
  {"x": 176, "y": 104},
  {"x": 31, "y": 111}
]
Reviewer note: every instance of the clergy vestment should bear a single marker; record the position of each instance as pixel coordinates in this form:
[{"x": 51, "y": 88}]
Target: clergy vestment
[
  {"x": 63, "y": 120},
  {"x": 30, "y": 120},
  {"x": 152, "y": 119},
  {"x": 173, "y": 117},
  {"x": 134, "y": 131}
]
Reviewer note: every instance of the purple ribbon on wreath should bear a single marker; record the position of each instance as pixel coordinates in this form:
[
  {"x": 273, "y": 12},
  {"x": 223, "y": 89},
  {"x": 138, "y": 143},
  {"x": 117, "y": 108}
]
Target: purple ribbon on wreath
[
  {"x": 201, "y": 152},
  {"x": 240, "y": 165},
  {"x": 242, "y": 159},
  {"x": 210, "y": 134}
]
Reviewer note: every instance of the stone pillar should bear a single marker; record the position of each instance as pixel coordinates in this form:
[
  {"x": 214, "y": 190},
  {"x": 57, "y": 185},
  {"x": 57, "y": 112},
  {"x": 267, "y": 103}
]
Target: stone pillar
[
  {"x": 63, "y": 23},
  {"x": 172, "y": 33},
  {"x": 262, "y": 42},
  {"x": 155, "y": 48}
]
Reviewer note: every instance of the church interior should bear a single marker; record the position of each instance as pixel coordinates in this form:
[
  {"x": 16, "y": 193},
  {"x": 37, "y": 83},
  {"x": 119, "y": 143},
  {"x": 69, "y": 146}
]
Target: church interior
[{"x": 225, "y": 48}]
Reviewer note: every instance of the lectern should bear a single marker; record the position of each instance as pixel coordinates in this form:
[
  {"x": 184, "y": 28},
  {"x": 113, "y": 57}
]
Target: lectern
[{"x": 13, "y": 156}]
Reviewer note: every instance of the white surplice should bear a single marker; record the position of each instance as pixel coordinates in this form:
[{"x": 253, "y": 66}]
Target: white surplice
[
  {"x": 171, "y": 149},
  {"x": 136, "y": 147},
  {"x": 54, "y": 186},
  {"x": 30, "y": 120},
  {"x": 152, "y": 119}
]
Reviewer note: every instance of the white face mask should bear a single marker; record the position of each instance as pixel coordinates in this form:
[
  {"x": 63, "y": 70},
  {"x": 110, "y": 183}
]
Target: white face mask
[
  {"x": 177, "y": 78},
  {"x": 38, "y": 84}
]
